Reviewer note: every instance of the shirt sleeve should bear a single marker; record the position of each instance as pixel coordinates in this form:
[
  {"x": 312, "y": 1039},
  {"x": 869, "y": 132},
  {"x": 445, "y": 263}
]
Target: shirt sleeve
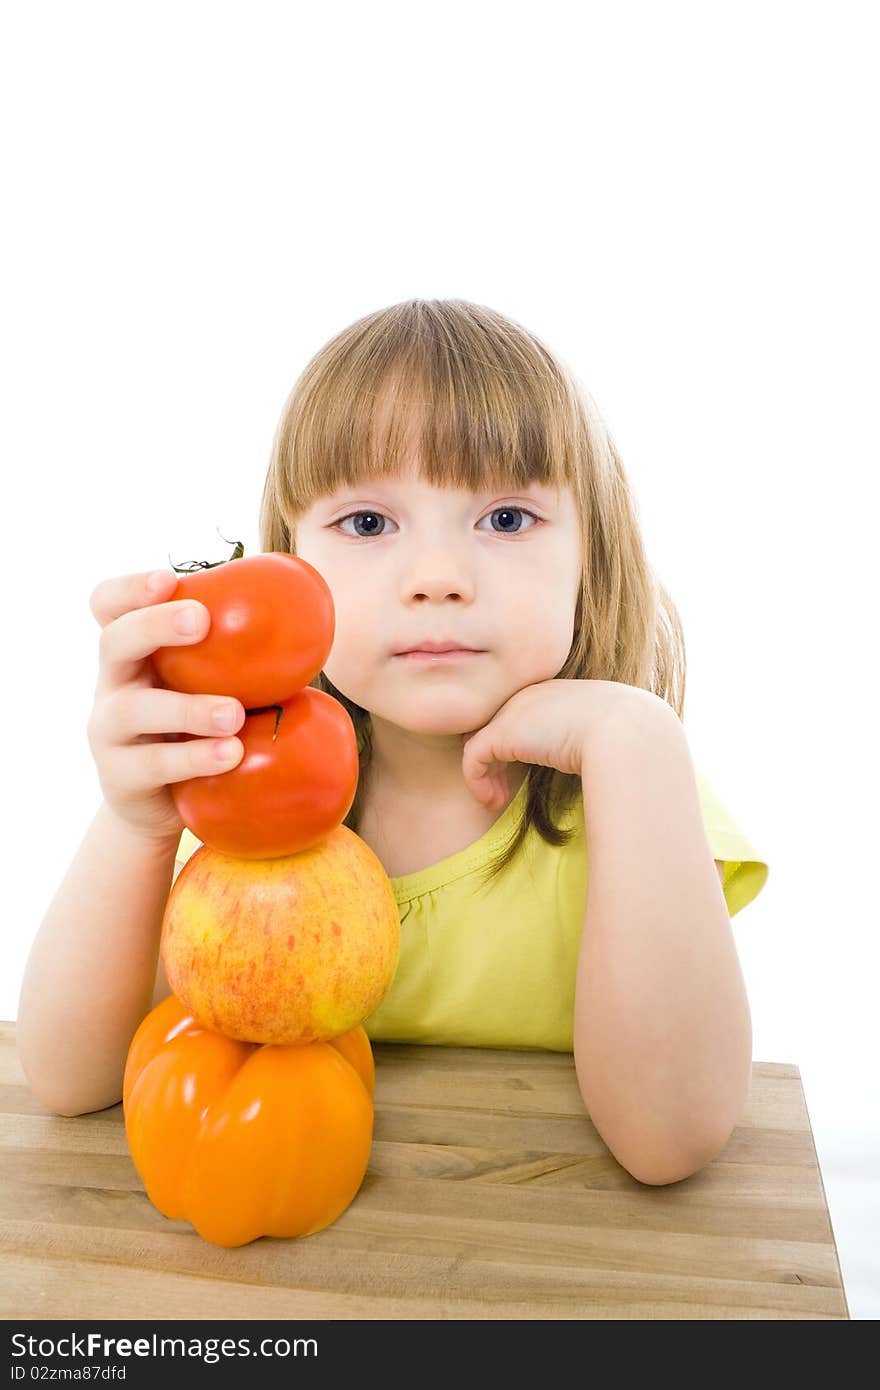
[{"x": 745, "y": 869}]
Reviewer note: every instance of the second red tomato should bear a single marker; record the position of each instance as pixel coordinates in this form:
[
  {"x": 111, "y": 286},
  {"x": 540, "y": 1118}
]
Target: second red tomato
[{"x": 288, "y": 792}]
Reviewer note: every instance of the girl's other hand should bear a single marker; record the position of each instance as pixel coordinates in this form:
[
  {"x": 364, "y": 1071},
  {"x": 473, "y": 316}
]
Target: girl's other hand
[
  {"x": 135, "y": 723},
  {"x": 553, "y": 723}
]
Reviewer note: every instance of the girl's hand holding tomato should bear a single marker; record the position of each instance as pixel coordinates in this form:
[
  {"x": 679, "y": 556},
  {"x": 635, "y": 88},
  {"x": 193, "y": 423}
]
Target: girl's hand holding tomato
[
  {"x": 271, "y": 630},
  {"x": 133, "y": 719}
]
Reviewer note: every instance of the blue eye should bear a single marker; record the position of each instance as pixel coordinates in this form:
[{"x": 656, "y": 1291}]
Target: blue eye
[
  {"x": 378, "y": 517},
  {"x": 374, "y": 516},
  {"x": 511, "y": 511}
]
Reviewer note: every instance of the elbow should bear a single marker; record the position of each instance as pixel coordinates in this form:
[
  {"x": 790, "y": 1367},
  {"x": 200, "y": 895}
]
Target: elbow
[
  {"x": 65, "y": 1111},
  {"x": 655, "y": 1148},
  {"x": 658, "y": 1165},
  {"x": 67, "y": 1105},
  {"x": 658, "y": 1142},
  {"x": 49, "y": 1100},
  {"x": 68, "y": 1108}
]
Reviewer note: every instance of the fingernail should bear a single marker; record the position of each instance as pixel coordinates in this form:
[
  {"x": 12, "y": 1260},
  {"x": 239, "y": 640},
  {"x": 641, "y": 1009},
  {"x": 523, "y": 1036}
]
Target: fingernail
[
  {"x": 187, "y": 620},
  {"x": 156, "y": 580},
  {"x": 226, "y": 750},
  {"x": 224, "y": 717}
]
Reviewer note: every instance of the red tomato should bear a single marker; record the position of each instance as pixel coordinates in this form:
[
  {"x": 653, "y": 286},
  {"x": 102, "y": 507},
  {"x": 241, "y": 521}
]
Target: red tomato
[
  {"x": 288, "y": 791},
  {"x": 272, "y": 626}
]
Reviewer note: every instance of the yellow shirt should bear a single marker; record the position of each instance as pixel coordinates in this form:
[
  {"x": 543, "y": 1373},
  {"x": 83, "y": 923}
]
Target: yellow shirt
[{"x": 495, "y": 966}]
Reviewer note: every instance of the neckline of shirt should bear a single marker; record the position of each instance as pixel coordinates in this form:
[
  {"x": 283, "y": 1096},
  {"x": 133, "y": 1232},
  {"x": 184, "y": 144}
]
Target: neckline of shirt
[{"x": 472, "y": 856}]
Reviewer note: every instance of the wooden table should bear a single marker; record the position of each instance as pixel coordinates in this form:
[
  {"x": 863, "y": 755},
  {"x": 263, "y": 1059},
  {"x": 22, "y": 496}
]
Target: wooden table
[{"x": 489, "y": 1194}]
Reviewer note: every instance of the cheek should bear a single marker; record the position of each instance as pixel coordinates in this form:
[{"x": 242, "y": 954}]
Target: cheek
[
  {"x": 352, "y": 634},
  {"x": 359, "y": 640},
  {"x": 541, "y": 657},
  {"x": 352, "y": 608},
  {"x": 540, "y": 633}
]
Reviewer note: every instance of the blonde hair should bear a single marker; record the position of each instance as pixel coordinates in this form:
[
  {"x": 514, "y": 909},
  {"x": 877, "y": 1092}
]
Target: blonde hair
[{"x": 486, "y": 402}]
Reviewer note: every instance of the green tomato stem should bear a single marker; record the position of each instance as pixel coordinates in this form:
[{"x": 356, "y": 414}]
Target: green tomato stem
[
  {"x": 190, "y": 566},
  {"x": 264, "y": 709}
]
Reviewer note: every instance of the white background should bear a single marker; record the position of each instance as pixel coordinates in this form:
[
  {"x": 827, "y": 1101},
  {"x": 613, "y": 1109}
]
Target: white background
[{"x": 679, "y": 199}]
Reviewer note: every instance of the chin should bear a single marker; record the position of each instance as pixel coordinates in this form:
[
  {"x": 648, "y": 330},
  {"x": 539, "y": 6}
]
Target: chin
[{"x": 445, "y": 725}]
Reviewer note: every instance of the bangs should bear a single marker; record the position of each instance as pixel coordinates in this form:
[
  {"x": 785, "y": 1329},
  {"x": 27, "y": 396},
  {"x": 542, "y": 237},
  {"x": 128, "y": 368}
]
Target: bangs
[{"x": 472, "y": 399}]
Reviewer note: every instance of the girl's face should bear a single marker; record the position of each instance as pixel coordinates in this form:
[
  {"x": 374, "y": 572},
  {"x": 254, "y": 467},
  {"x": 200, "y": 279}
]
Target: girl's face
[{"x": 407, "y": 562}]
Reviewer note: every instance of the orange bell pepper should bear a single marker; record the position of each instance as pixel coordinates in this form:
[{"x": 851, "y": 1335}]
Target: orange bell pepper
[{"x": 245, "y": 1139}]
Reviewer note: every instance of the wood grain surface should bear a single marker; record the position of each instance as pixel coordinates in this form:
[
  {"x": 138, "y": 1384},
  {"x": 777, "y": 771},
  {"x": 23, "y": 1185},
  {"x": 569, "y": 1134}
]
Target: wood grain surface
[{"x": 489, "y": 1194}]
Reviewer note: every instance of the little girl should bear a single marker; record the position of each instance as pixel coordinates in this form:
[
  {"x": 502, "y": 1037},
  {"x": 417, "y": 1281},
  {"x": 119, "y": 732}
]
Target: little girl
[{"x": 456, "y": 488}]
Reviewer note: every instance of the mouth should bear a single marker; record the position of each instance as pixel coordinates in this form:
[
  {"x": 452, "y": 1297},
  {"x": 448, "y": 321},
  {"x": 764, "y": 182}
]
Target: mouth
[{"x": 429, "y": 654}]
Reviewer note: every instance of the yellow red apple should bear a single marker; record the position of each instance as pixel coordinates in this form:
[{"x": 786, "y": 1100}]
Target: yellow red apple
[{"x": 299, "y": 948}]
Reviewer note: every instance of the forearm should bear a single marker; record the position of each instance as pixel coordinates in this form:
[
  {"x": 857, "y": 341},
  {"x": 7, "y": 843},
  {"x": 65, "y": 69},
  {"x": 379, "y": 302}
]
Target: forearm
[
  {"x": 662, "y": 1031},
  {"x": 89, "y": 976}
]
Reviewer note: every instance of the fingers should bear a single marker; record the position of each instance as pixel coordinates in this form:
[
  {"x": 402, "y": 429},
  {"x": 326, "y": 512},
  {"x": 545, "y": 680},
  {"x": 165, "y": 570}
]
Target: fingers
[
  {"x": 138, "y": 769},
  {"x": 132, "y": 767},
  {"x": 135, "y": 620},
  {"x": 126, "y": 714},
  {"x": 113, "y": 597},
  {"x": 130, "y": 638},
  {"x": 485, "y": 776}
]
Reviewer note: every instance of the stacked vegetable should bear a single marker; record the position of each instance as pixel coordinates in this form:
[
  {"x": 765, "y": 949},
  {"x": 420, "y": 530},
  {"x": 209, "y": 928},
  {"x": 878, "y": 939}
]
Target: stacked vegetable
[{"x": 248, "y": 1092}]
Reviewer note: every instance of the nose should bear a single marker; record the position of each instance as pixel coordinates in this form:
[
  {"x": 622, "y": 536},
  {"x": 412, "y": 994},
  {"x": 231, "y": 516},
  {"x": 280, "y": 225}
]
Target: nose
[{"x": 436, "y": 574}]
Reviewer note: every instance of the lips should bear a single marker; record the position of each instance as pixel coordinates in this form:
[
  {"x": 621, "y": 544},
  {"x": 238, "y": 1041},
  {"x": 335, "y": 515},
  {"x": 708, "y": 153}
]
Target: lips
[{"x": 427, "y": 646}]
